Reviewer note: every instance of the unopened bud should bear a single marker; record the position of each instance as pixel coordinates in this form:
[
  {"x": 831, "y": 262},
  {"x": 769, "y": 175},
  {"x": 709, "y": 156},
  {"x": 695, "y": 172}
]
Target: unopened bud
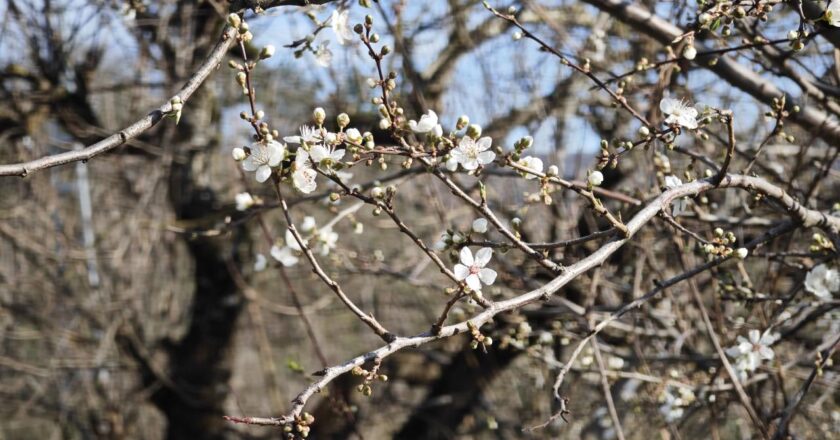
[{"x": 319, "y": 115}]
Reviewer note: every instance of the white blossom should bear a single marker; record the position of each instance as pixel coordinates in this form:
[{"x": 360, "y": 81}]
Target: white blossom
[
  {"x": 479, "y": 225},
  {"x": 326, "y": 240},
  {"x": 244, "y": 201},
  {"x": 473, "y": 270},
  {"x": 437, "y": 131},
  {"x": 309, "y": 135},
  {"x": 471, "y": 153},
  {"x": 285, "y": 255},
  {"x": 427, "y": 123},
  {"x": 303, "y": 176},
  {"x": 323, "y": 55},
  {"x": 532, "y": 163},
  {"x": 260, "y": 263},
  {"x": 832, "y": 14},
  {"x": 673, "y": 406},
  {"x": 322, "y": 154},
  {"x": 679, "y": 113},
  {"x": 821, "y": 280},
  {"x": 338, "y": 22},
  {"x": 680, "y": 205},
  {"x": 264, "y": 156},
  {"x": 750, "y": 352}
]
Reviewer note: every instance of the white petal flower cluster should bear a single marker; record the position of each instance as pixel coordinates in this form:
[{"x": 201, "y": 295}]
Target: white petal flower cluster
[
  {"x": 750, "y": 352},
  {"x": 673, "y": 405},
  {"x": 533, "y": 164},
  {"x": 264, "y": 156},
  {"x": 822, "y": 280},
  {"x": 471, "y": 154},
  {"x": 679, "y": 113},
  {"x": 303, "y": 175},
  {"x": 321, "y": 241},
  {"x": 473, "y": 270},
  {"x": 680, "y": 205}
]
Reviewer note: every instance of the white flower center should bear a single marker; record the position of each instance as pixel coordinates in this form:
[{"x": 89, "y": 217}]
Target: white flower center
[{"x": 471, "y": 151}]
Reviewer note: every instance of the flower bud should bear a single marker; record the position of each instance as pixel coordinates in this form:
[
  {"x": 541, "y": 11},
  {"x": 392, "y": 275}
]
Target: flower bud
[
  {"x": 553, "y": 171},
  {"x": 238, "y": 154},
  {"x": 742, "y": 253},
  {"x": 479, "y": 226},
  {"x": 343, "y": 120},
  {"x": 319, "y": 115},
  {"x": 644, "y": 131},
  {"x": 267, "y": 52},
  {"x": 474, "y": 131},
  {"x": 260, "y": 114},
  {"x": 463, "y": 121},
  {"x": 234, "y": 20},
  {"x": 384, "y": 124},
  {"x": 353, "y": 136},
  {"x": 689, "y": 52},
  {"x": 596, "y": 178}
]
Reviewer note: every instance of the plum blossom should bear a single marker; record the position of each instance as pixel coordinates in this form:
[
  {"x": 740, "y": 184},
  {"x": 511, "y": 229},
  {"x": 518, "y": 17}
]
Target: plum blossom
[
  {"x": 749, "y": 353},
  {"x": 821, "y": 280},
  {"x": 285, "y": 255},
  {"x": 681, "y": 204},
  {"x": 471, "y": 153},
  {"x": 309, "y": 135},
  {"x": 473, "y": 270},
  {"x": 832, "y": 14},
  {"x": 533, "y": 164},
  {"x": 326, "y": 240},
  {"x": 323, "y": 55},
  {"x": 673, "y": 406},
  {"x": 679, "y": 113},
  {"x": 264, "y": 156},
  {"x": 342, "y": 30},
  {"x": 427, "y": 123},
  {"x": 244, "y": 201},
  {"x": 303, "y": 176},
  {"x": 322, "y": 154}
]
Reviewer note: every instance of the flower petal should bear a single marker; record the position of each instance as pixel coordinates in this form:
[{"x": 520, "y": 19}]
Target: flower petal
[
  {"x": 486, "y": 157},
  {"x": 461, "y": 272},
  {"x": 487, "y": 276},
  {"x": 248, "y": 164},
  {"x": 466, "y": 256},
  {"x": 263, "y": 173},
  {"x": 482, "y": 257},
  {"x": 473, "y": 282}
]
